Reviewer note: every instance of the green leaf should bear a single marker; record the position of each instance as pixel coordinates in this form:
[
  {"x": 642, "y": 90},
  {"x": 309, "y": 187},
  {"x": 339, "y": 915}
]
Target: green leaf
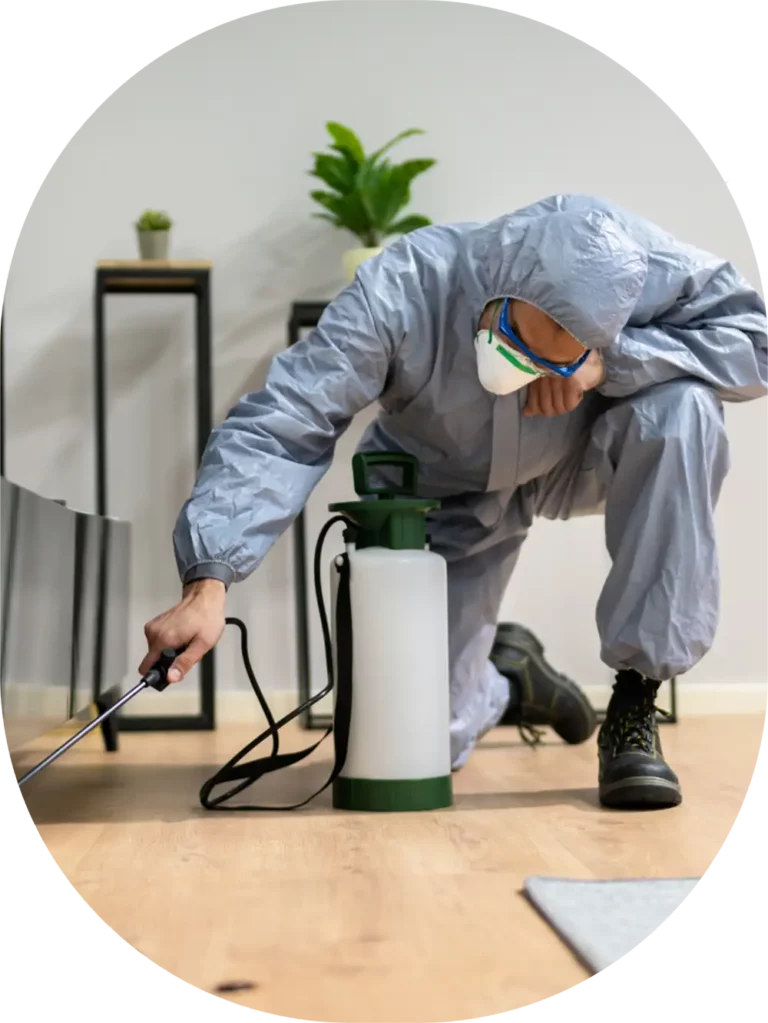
[
  {"x": 408, "y": 224},
  {"x": 334, "y": 171},
  {"x": 398, "y": 138},
  {"x": 329, "y": 217},
  {"x": 352, "y": 165},
  {"x": 398, "y": 195},
  {"x": 346, "y": 141},
  {"x": 398, "y": 191},
  {"x": 348, "y": 209},
  {"x": 327, "y": 199},
  {"x": 331, "y": 202},
  {"x": 413, "y": 168},
  {"x": 373, "y": 185}
]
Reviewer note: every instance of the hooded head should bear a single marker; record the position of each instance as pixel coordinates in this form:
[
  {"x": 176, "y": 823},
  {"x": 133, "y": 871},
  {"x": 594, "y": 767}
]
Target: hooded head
[{"x": 578, "y": 267}]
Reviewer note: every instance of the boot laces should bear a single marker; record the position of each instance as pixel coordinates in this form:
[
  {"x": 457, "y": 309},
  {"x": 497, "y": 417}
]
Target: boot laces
[
  {"x": 530, "y": 735},
  {"x": 632, "y": 718}
]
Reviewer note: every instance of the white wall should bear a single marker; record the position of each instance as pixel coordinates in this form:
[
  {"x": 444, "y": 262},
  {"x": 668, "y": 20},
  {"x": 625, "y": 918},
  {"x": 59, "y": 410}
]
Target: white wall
[{"x": 219, "y": 132}]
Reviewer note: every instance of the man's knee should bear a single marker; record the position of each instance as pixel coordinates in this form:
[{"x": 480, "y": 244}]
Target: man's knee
[
  {"x": 682, "y": 409},
  {"x": 679, "y": 424}
]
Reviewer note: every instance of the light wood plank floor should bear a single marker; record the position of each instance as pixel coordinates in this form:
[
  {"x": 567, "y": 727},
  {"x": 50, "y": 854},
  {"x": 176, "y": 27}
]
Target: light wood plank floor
[{"x": 345, "y": 917}]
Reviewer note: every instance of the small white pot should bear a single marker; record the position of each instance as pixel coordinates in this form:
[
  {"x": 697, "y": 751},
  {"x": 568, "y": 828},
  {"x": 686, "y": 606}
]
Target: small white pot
[
  {"x": 352, "y": 259},
  {"x": 153, "y": 244}
]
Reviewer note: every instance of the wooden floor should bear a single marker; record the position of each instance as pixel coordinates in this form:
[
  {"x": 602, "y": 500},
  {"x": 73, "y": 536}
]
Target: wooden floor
[{"x": 348, "y": 917}]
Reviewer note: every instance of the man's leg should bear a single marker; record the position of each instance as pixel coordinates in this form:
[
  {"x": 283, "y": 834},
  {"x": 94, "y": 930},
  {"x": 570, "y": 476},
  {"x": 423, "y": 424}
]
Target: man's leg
[
  {"x": 496, "y": 673},
  {"x": 657, "y": 462},
  {"x": 659, "y": 608},
  {"x": 480, "y": 536}
]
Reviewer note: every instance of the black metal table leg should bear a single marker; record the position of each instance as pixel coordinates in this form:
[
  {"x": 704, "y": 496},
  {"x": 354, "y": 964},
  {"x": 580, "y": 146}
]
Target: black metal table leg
[
  {"x": 204, "y": 407},
  {"x": 109, "y": 726},
  {"x": 99, "y": 399},
  {"x": 672, "y": 701},
  {"x": 302, "y": 618}
]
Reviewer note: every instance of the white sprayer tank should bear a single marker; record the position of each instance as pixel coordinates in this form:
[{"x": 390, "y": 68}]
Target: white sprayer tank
[{"x": 399, "y": 751}]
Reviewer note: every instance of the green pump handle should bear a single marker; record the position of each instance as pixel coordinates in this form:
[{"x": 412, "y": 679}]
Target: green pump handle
[{"x": 363, "y": 461}]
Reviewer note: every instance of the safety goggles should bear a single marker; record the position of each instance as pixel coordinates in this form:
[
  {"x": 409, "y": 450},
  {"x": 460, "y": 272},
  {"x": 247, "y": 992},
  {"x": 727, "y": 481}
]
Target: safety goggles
[{"x": 552, "y": 368}]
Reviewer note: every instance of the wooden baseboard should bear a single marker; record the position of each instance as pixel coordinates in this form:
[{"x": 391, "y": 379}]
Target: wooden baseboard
[{"x": 695, "y": 699}]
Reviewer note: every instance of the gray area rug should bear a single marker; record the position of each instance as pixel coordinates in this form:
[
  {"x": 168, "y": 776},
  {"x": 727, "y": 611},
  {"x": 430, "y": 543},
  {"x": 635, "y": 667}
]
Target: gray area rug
[{"x": 603, "y": 920}]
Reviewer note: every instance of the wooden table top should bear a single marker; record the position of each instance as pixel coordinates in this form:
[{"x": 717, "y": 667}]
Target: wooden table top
[{"x": 154, "y": 264}]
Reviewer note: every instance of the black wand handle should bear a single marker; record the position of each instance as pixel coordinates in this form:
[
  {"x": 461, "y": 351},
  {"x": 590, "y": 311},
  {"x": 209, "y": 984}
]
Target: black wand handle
[{"x": 157, "y": 676}]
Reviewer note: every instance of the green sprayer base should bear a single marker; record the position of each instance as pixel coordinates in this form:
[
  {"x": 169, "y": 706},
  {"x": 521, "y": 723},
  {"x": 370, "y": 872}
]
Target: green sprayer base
[{"x": 392, "y": 796}]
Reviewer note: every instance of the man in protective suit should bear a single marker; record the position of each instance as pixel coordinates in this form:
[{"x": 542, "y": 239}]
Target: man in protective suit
[{"x": 567, "y": 359}]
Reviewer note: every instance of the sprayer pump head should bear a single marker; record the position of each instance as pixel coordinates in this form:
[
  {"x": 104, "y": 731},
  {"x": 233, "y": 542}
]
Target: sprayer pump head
[{"x": 392, "y": 516}]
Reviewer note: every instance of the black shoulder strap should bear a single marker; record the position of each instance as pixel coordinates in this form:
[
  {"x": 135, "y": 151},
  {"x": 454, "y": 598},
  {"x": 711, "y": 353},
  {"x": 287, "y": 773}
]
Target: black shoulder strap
[{"x": 245, "y": 774}]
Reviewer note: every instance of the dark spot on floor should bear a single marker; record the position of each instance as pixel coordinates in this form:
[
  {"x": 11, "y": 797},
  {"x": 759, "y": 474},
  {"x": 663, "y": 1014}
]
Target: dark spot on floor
[{"x": 235, "y": 985}]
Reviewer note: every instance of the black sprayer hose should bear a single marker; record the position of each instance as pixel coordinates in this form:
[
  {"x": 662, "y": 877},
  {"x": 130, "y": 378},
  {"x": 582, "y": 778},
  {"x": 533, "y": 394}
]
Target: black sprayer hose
[{"x": 273, "y": 726}]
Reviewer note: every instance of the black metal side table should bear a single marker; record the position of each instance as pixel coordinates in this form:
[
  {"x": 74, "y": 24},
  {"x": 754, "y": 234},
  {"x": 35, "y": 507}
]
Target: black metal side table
[{"x": 156, "y": 277}]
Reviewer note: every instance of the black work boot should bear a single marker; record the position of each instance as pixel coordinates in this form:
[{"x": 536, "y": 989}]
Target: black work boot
[
  {"x": 539, "y": 695},
  {"x": 633, "y": 773}
]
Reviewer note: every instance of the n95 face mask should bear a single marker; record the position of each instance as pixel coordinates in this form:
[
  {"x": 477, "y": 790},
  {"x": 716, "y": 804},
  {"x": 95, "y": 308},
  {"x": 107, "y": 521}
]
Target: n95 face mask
[{"x": 500, "y": 369}]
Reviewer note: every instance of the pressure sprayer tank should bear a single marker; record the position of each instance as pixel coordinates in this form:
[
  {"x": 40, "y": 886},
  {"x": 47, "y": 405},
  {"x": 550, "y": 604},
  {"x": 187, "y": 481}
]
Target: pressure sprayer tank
[{"x": 399, "y": 756}]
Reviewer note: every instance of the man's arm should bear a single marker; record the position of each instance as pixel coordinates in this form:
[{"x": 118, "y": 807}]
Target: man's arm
[
  {"x": 262, "y": 463},
  {"x": 715, "y": 332}
]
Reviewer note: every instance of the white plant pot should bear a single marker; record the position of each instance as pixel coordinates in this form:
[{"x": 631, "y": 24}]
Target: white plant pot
[
  {"x": 353, "y": 258},
  {"x": 153, "y": 244}
]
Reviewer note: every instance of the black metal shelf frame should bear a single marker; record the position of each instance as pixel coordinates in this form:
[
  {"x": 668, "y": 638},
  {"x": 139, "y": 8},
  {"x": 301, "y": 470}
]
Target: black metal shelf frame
[{"x": 143, "y": 279}]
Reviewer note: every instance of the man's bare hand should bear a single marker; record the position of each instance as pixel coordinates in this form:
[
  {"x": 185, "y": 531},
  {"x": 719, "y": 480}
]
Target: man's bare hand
[
  {"x": 554, "y": 396},
  {"x": 194, "y": 624}
]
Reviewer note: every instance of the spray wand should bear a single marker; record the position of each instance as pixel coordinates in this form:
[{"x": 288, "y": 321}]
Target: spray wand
[{"x": 156, "y": 678}]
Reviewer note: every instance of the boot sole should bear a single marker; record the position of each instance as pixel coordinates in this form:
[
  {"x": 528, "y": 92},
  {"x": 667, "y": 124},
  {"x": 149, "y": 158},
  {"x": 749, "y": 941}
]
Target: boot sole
[{"x": 640, "y": 794}]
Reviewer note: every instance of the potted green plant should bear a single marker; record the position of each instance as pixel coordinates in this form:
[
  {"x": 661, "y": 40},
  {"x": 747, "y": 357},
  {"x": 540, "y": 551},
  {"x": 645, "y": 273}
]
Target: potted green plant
[
  {"x": 367, "y": 193},
  {"x": 153, "y": 228}
]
